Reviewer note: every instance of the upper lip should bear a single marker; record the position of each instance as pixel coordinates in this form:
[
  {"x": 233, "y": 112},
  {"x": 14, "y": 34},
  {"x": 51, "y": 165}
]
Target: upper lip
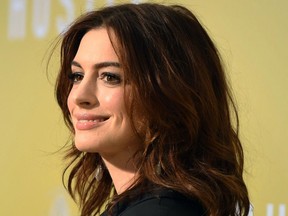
[{"x": 90, "y": 117}]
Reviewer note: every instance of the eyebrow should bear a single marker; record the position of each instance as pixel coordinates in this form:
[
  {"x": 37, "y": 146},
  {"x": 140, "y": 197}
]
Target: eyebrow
[{"x": 98, "y": 65}]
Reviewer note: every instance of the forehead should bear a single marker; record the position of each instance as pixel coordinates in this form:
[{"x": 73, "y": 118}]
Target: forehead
[{"x": 96, "y": 46}]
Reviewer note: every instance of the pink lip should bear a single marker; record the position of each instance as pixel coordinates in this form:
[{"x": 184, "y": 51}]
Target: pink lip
[{"x": 88, "y": 122}]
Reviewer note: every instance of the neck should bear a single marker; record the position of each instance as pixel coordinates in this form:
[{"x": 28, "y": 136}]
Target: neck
[{"x": 122, "y": 170}]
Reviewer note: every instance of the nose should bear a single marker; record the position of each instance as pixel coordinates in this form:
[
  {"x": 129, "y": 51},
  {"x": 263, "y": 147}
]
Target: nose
[{"x": 85, "y": 95}]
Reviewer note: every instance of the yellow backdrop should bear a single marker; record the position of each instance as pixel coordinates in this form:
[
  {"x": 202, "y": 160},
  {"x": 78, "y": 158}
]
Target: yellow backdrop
[{"x": 252, "y": 37}]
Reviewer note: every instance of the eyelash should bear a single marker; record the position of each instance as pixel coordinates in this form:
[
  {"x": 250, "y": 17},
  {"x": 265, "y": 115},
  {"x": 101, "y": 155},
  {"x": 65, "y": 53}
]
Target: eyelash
[
  {"x": 107, "y": 77},
  {"x": 110, "y": 78},
  {"x": 75, "y": 77}
]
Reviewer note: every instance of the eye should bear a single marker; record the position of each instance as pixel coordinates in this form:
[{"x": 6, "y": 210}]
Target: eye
[
  {"x": 110, "y": 78},
  {"x": 76, "y": 77}
]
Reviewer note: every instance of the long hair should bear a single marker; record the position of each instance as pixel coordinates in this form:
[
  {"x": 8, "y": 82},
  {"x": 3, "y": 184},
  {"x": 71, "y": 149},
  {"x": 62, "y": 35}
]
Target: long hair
[{"x": 181, "y": 108}]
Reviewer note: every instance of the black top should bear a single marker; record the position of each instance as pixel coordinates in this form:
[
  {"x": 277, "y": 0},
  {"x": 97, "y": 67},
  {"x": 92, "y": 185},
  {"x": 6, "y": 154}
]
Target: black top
[{"x": 164, "y": 202}]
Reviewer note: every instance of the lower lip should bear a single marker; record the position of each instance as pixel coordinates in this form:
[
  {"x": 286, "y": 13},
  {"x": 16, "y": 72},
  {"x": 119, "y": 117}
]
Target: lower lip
[{"x": 88, "y": 125}]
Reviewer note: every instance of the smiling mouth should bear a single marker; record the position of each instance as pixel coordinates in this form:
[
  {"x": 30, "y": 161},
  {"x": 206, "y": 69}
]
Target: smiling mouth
[
  {"x": 93, "y": 120},
  {"x": 88, "y": 122}
]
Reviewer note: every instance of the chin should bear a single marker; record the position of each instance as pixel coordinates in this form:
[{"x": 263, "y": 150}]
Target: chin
[{"x": 84, "y": 147}]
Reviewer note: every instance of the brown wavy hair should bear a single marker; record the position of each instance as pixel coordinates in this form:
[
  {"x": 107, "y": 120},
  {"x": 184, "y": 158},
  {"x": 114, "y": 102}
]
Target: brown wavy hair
[{"x": 190, "y": 122}]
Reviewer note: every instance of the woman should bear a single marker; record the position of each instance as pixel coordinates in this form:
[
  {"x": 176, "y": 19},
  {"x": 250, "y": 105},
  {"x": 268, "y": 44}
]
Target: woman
[{"x": 143, "y": 91}]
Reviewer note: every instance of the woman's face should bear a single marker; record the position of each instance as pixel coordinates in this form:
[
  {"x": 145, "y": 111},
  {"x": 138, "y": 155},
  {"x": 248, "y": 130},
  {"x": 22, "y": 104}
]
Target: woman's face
[{"x": 96, "y": 101}]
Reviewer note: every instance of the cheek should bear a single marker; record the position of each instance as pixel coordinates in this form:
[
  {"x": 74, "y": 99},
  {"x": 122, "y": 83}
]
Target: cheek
[{"x": 114, "y": 101}]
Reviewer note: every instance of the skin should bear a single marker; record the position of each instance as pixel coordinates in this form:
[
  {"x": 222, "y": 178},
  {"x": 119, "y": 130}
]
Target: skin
[{"x": 97, "y": 107}]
